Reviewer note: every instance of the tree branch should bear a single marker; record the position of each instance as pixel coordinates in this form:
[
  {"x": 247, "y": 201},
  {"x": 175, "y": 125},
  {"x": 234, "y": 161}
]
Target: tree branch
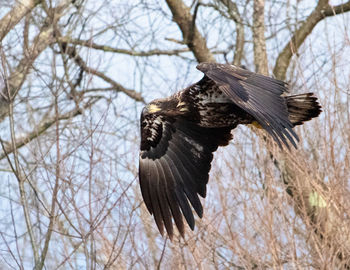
[
  {"x": 260, "y": 55},
  {"x": 105, "y": 48},
  {"x": 15, "y": 80},
  {"x": 72, "y": 53},
  {"x": 40, "y": 129},
  {"x": 52, "y": 213},
  {"x": 234, "y": 15},
  {"x": 322, "y": 10},
  {"x": 310, "y": 195},
  {"x": 19, "y": 11},
  {"x": 335, "y": 10},
  {"x": 194, "y": 40},
  {"x": 17, "y": 170}
]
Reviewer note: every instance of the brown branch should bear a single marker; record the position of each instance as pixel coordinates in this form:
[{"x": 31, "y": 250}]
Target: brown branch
[
  {"x": 17, "y": 13},
  {"x": 17, "y": 171},
  {"x": 335, "y": 10},
  {"x": 194, "y": 40},
  {"x": 117, "y": 86},
  {"x": 322, "y": 10},
  {"x": 260, "y": 55},
  {"x": 105, "y": 48},
  {"x": 52, "y": 215},
  {"x": 181, "y": 42},
  {"x": 73, "y": 54},
  {"x": 38, "y": 130},
  {"x": 233, "y": 14},
  {"x": 314, "y": 203},
  {"x": 15, "y": 80},
  {"x": 311, "y": 197},
  {"x": 240, "y": 40}
]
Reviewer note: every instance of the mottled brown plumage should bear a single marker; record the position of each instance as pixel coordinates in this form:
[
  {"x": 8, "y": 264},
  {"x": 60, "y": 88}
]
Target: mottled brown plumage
[{"x": 179, "y": 135}]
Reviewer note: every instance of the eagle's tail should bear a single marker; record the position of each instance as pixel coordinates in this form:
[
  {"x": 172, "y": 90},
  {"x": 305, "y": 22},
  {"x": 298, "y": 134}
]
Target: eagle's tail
[{"x": 302, "y": 108}]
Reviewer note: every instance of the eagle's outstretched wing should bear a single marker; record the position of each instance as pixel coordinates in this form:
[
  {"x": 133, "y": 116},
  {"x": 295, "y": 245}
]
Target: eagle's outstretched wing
[
  {"x": 174, "y": 165},
  {"x": 258, "y": 95}
]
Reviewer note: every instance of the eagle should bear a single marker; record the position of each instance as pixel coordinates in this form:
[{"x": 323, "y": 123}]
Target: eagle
[{"x": 180, "y": 133}]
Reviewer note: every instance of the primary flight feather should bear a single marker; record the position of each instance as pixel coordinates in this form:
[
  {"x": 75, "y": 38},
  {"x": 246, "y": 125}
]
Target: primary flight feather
[{"x": 180, "y": 133}]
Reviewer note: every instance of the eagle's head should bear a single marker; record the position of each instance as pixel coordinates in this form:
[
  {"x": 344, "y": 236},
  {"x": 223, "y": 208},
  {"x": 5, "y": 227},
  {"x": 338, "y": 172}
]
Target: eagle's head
[{"x": 165, "y": 106}]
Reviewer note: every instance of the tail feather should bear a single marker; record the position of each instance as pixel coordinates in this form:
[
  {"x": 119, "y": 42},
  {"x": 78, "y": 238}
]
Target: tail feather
[{"x": 302, "y": 108}]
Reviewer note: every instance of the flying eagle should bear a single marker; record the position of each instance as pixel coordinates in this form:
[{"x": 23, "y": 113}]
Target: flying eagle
[{"x": 180, "y": 133}]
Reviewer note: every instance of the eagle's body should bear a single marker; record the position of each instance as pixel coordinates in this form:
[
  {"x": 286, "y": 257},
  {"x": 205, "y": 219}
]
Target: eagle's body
[{"x": 180, "y": 133}]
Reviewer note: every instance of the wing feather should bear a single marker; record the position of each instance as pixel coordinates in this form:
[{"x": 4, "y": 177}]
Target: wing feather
[
  {"x": 174, "y": 169},
  {"x": 153, "y": 190},
  {"x": 179, "y": 190},
  {"x": 144, "y": 184},
  {"x": 258, "y": 95},
  {"x": 188, "y": 185},
  {"x": 197, "y": 177},
  {"x": 170, "y": 193},
  {"x": 163, "y": 201}
]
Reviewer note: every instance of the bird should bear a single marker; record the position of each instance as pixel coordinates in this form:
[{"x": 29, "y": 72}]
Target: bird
[{"x": 180, "y": 133}]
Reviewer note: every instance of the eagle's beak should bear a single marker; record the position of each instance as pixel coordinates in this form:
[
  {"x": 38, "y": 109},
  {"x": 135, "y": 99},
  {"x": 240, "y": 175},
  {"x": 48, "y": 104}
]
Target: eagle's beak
[{"x": 152, "y": 108}]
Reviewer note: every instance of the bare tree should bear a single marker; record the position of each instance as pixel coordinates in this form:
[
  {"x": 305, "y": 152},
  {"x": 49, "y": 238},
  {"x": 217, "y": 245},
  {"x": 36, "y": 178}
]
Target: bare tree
[{"x": 74, "y": 77}]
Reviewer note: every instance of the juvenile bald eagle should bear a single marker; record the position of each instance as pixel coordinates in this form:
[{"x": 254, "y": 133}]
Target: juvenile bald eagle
[{"x": 180, "y": 133}]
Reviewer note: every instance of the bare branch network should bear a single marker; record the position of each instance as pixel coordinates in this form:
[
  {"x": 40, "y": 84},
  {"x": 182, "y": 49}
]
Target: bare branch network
[{"x": 74, "y": 78}]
